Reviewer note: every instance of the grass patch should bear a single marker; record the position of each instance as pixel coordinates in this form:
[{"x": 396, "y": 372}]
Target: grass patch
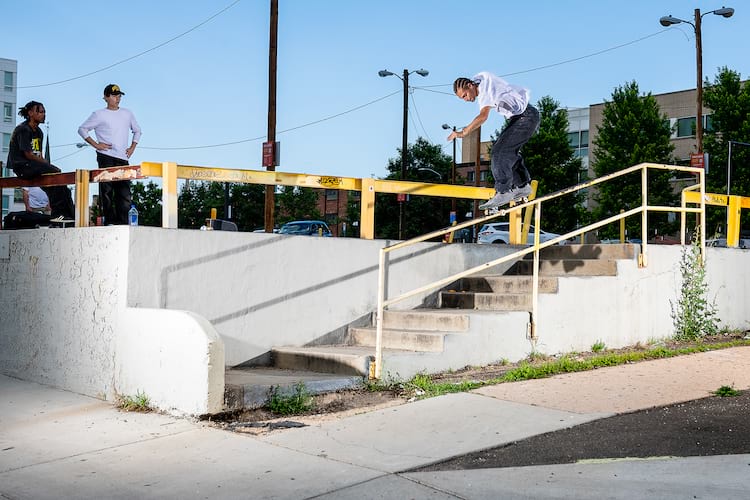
[
  {"x": 140, "y": 402},
  {"x": 296, "y": 402},
  {"x": 423, "y": 386},
  {"x": 726, "y": 391},
  {"x": 598, "y": 346}
]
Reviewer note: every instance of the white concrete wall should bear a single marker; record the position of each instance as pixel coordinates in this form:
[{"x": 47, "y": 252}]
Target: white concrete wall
[
  {"x": 176, "y": 358},
  {"x": 636, "y": 305},
  {"x": 65, "y": 322},
  {"x": 107, "y": 310},
  {"x": 263, "y": 290}
]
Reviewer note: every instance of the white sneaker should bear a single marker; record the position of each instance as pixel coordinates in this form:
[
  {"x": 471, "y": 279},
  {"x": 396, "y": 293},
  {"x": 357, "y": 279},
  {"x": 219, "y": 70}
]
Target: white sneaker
[
  {"x": 498, "y": 200},
  {"x": 521, "y": 192}
]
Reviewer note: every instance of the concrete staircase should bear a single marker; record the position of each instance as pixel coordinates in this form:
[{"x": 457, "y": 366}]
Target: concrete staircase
[{"x": 474, "y": 318}]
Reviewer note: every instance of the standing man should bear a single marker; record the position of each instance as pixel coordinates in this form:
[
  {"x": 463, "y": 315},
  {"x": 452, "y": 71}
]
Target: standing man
[
  {"x": 26, "y": 160},
  {"x": 112, "y": 126},
  {"x": 508, "y": 168}
]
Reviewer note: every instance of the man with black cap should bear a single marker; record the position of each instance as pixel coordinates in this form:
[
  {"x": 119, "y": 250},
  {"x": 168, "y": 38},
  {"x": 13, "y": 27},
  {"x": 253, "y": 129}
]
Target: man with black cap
[{"x": 112, "y": 126}]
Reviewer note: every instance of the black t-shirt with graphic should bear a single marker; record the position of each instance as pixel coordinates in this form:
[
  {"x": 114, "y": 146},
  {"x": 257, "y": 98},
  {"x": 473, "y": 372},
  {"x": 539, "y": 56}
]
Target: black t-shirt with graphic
[{"x": 24, "y": 138}]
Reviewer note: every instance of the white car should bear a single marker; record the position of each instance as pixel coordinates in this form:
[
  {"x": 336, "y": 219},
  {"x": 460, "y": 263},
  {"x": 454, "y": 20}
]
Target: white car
[{"x": 499, "y": 232}]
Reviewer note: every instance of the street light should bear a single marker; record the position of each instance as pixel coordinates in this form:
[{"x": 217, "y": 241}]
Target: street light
[
  {"x": 383, "y": 73},
  {"x": 669, "y": 21},
  {"x": 432, "y": 170}
]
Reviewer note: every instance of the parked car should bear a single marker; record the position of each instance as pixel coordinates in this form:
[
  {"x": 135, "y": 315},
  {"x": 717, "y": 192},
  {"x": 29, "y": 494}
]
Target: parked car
[
  {"x": 499, "y": 232},
  {"x": 306, "y": 227}
]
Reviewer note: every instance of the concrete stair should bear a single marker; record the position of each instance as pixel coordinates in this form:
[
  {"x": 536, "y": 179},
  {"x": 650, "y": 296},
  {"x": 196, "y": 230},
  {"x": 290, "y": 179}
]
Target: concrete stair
[{"x": 421, "y": 337}]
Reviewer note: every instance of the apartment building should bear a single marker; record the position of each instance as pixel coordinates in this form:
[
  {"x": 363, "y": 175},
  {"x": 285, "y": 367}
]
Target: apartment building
[{"x": 8, "y": 99}]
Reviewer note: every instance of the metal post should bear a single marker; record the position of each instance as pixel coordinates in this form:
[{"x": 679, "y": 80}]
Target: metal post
[
  {"x": 453, "y": 174},
  {"x": 404, "y": 145},
  {"x": 729, "y": 166},
  {"x": 477, "y": 163},
  {"x": 272, "y": 50},
  {"x": 379, "y": 316},
  {"x": 699, "y": 82}
]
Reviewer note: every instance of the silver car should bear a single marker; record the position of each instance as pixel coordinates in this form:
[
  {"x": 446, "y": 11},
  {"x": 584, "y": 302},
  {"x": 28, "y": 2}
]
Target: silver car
[{"x": 499, "y": 233}]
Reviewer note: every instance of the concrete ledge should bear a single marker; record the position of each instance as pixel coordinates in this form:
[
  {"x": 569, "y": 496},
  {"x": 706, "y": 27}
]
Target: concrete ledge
[{"x": 175, "y": 357}]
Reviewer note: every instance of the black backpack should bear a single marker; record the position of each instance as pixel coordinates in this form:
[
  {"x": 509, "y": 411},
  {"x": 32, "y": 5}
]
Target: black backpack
[{"x": 25, "y": 220}]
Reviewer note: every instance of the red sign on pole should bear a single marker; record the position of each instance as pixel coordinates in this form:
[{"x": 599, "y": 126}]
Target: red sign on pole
[
  {"x": 268, "y": 154},
  {"x": 697, "y": 160},
  {"x": 401, "y": 197}
]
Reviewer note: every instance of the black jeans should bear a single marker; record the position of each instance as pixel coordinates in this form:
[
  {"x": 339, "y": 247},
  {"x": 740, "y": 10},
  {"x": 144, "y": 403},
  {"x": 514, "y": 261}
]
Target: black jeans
[
  {"x": 60, "y": 200},
  {"x": 114, "y": 197},
  {"x": 508, "y": 167}
]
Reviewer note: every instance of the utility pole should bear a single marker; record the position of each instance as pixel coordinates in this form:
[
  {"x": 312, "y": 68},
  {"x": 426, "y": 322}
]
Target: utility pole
[
  {"x": 272, "y": 49},
  {"x": 699, "y": 82}
]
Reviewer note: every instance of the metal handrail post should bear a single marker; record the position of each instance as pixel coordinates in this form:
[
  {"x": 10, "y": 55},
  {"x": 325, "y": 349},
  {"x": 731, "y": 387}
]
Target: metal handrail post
[
  {"x": 535, "y": 275},
  {"x": 702, "y": 178},
  {"x": 379, "y": 316},
  {"x": 643, "y": 261}
]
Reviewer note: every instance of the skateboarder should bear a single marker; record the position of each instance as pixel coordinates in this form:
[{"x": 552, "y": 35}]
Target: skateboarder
[{"x": 511, "y": 101}]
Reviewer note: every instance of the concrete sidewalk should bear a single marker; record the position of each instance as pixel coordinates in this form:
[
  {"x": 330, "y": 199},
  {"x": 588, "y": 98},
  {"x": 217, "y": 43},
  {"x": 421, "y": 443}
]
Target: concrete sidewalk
[{"x": 54, "y": 444}]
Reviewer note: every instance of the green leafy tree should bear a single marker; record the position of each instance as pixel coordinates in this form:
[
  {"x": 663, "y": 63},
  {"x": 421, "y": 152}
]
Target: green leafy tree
[
  {"x": 633, "y": 131},
  {"x": 298, "y": 203},
  {"x": 147, "y": 199},
  {"x": 248, "y": 205},
  {"x": 551, "y": 162},
  {"x": 729, "y": 99},
  {"x": 425, "y": 162},
  {"x": 196, "y": 199}
]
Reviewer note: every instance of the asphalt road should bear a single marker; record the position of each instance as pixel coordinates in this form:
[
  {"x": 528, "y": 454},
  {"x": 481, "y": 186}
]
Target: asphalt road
[{"x": 703, "y": 427}]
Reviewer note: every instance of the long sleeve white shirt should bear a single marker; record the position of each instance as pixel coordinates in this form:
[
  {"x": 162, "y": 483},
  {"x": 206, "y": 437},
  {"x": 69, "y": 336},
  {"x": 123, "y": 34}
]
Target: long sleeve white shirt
[
  {"x": 112, "y": 126},
  {"x": 509, "y": 100}
]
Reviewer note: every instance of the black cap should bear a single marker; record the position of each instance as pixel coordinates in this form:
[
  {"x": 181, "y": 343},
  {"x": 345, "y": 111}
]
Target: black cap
[{"x": 113, "y": 89}]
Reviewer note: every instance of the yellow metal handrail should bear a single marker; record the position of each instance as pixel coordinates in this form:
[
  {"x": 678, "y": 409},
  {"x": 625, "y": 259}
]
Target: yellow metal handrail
[{"x": 383, "y": 301}]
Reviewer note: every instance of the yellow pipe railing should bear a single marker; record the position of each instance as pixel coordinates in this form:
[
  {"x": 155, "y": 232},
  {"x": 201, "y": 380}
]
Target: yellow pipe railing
[{"x": 383, "y": 302}]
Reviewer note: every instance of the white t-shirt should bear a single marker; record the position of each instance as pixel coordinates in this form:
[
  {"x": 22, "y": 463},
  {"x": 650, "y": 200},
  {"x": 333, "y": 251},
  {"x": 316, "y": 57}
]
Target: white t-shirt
[
  {"x": 38, "y": 199},
  {"x": 112, "y": 126},
  {"x": 509, "y": 100}
]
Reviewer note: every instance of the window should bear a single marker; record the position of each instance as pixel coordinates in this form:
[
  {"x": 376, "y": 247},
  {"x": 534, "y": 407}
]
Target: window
[
  {"x": 579, "y": 139},
  {"x": 686, "y": 127},
  {"x": 8, "y": 81},
  {"x": 6, "y": 142},
  {"x": 7, "y": 112},
  {"x": 708, "y": 123},
  {"x": 332, "y": 194},
  {"x": 483, "y": 176},
  {"x": 470, "y": 176}
]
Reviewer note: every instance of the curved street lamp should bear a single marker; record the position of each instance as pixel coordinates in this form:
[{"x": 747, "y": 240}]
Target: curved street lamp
[
  {"x": 669, "y": 21},
  {"x": 405, "y": 78}
]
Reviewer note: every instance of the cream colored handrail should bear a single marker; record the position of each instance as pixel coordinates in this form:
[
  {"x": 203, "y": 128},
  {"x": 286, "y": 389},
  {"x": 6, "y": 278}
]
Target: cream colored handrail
[{"x": 383, "y": 301}]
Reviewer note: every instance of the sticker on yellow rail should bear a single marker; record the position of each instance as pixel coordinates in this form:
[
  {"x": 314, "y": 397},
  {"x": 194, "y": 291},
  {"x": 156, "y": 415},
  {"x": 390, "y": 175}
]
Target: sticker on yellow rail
[
  {"x": 330, "y": 182},
  {"x": 116, "y": 174}
]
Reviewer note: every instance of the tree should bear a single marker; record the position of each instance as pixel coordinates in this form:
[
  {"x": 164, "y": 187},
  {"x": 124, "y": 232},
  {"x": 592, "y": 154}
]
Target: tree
[
  {"x": 147, "y": 199},
  {"x": 248, "y": 205},
  {"x": 422, "y": 214},
  {"x": 298, "y": 203},
  {"x": 633, "y": 131},
  {"x": 551, "y": 162},
  {"x": 195, "y": 202},
  {"x": 729, "y": 99}
]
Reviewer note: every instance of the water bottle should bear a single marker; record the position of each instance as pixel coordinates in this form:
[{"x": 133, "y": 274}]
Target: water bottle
[{"x": 133, "y": 216}]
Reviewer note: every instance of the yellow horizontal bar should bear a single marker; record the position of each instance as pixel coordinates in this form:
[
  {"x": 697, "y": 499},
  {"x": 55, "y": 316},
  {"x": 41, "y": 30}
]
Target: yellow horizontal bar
[
  {"x": 711, "y": 198},
  {"x": 427, "y": 189},
  {"x": 268, "y": 178}
]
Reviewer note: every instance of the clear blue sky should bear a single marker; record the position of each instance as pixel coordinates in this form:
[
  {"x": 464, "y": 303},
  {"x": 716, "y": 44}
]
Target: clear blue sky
[{"x": 209, "y": 86}]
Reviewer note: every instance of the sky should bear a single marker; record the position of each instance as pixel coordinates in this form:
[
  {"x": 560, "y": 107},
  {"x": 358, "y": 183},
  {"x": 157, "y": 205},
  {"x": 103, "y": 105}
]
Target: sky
[{"x": 195, "y": 73}]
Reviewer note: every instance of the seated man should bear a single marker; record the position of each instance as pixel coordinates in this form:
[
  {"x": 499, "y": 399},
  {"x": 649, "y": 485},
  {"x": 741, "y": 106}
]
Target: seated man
[{"x": 26, "y": 160}]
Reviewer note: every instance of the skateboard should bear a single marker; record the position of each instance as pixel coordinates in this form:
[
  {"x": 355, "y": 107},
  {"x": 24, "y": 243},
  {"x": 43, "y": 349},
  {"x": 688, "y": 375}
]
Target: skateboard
[{"x": 511, "y": 204}]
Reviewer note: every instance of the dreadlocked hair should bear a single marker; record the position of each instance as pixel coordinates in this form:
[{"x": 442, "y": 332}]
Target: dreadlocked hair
[
  {"x": 462, "y": 83},
  {"x": 24, "y": 111}
]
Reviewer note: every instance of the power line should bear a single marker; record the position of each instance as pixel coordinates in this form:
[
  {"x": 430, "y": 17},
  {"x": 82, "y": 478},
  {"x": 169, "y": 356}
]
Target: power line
[
  {"x": 137, "y": 55},
  {"x": 575, "y": 59},
  {"x": 416, "y": 111},
  {"x": 282, "y": 131}
]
